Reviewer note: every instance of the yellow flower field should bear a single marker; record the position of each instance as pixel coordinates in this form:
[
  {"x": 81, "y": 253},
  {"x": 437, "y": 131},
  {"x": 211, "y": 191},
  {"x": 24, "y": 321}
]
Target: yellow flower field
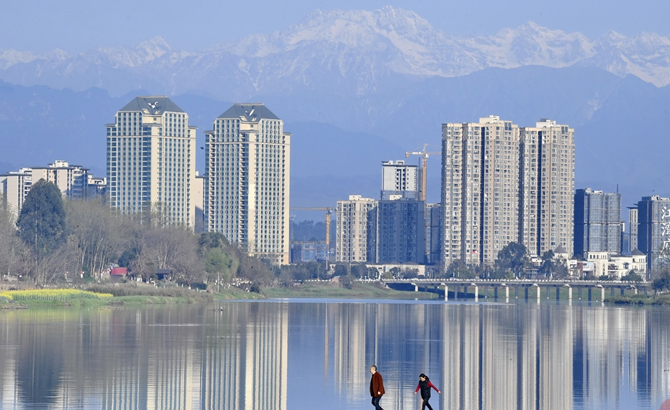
[{"x": 51, "y": 294}]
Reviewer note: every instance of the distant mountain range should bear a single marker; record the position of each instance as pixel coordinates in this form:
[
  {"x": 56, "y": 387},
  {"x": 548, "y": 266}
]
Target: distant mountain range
[
  {"x": 346, "y": 52},
  {"x": 358, "y": 87}
]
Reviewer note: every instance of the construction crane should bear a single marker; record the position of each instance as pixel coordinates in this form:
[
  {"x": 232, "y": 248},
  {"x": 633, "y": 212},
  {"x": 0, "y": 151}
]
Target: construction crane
[
  {"x": 424, "y": 164},
  {"x": 328, "y": 211}
]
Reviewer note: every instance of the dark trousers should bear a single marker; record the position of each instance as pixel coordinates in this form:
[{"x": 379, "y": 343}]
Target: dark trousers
[
  {"x": 424, "y": 404},
  {"x": 375, "y": 402}
]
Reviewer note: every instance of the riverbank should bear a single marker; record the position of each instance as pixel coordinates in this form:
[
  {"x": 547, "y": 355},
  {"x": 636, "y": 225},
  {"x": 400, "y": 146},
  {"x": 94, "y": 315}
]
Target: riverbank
[
  {"x": 358, "y": 290},
  {"x": 115, "y": 296},
  {"x": 662, "y": 300},
  {"x": 119, "y": 295}
]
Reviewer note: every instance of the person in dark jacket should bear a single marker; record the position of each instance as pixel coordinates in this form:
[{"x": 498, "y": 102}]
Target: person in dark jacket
[
  {"x": 424, "y": 386},
  {"x": 376, "y": 387}
]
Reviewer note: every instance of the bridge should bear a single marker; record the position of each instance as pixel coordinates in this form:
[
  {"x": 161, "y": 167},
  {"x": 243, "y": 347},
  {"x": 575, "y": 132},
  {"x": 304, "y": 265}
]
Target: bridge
[{"x": 526, "y": 286}]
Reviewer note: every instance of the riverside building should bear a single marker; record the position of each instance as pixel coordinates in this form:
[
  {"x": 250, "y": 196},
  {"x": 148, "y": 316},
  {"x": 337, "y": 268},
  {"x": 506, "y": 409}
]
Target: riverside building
[
  {"x": 247, "y": 186},
  {"x": 653, "y": 228},
  {"x": 151, "y": 161},
  {"x": 502, "y": 184},
  {"x": 351, "y": 237},
  {"x": 598, "y": 225}
]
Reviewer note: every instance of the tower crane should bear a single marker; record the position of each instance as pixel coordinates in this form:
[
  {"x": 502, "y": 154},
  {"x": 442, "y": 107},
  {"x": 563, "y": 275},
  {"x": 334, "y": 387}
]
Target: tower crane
[
  {"x": 424, "y": 164},
  {"x": 328, "y": 211}
]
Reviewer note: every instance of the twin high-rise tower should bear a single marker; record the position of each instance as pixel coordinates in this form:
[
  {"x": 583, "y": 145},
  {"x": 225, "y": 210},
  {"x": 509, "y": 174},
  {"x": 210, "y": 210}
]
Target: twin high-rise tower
[
  {"x": 247, "y": 189},
  {"x": 151, "y": 171},
  {"x": 502, "y": 183}
]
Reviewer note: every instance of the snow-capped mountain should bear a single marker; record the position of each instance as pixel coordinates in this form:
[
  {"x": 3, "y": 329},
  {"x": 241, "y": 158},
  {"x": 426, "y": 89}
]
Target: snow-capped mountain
[{"x": 344, "y": 52}]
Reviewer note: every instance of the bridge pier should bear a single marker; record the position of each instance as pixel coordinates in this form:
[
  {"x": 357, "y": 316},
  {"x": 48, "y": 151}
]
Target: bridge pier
[
  {"x": 558, "y": 293},
  {"x": 495, "y": 293},
  {"x": 506, "y": 293},
  {"x": 622, "y": 290},
  {"x": 539, "y": 293},
  {"x": 580, "y": 293},
  {"x": 611, "y": 292},
  {"x": 589, "y": 294},
  {"x": 526, "y": 291},
  {"x": 569, "y": 292},
  {"x": 446, "y": 291},
  {"x": 476, "y": 292}
]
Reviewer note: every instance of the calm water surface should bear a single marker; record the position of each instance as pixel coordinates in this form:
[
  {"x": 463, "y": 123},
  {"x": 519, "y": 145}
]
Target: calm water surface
[{"x": 309, "y": 354}]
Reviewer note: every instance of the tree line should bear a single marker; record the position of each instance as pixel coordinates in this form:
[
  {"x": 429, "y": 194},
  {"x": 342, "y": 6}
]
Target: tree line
[{"x": 53, "y": 239}]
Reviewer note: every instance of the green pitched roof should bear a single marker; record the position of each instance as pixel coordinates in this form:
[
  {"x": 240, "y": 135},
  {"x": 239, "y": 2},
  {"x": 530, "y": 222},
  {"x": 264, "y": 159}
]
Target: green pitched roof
[
  {"x": 249, "y": 112},
  {"x": 155, "y": 105}
]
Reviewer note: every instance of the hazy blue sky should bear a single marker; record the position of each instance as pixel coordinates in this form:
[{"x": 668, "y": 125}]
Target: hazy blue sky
[{"x": 77, "y": 25}]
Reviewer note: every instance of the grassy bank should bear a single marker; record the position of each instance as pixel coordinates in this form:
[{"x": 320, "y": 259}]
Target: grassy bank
[
  {"x": 115, "y": 295},
  {"x": 639, "y": 300},
  {"x": 335, "y": 290}
]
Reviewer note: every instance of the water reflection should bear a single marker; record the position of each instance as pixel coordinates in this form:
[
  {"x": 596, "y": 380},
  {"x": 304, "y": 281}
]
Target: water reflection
[{"x": 281, "y": 355}]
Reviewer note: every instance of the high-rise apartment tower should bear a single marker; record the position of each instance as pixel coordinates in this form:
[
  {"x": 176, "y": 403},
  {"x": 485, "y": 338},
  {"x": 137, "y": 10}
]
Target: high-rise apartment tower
[
  {"x": 151, "y": 161},
  {"x": 247, "y": 170},
  {"x": 598, "y": 225},
  {"x": 503, "y": 184},
  {"x": 353, "y": 226}
]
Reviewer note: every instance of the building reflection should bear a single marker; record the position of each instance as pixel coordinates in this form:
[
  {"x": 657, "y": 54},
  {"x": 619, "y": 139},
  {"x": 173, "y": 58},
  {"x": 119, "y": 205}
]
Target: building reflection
[{"x": 483, "y": 356}]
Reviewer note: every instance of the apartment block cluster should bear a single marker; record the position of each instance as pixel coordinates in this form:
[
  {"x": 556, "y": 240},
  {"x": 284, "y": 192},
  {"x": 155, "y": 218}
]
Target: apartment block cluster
[
  {"x": 244, "y": 193},
  {"x": 151, "y": 172},
  {"x": 501, "y": 183},
  {"x": 74, "y": 182}
]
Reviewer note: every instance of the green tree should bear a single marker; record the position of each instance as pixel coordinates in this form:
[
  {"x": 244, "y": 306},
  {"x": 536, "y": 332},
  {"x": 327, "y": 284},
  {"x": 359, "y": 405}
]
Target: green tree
[
  {"x": 632, "y": 276},
  {"x": 42, "y": 220},
  {"x": 512, "y": 258},
  {"x": 662, "y": 281}
]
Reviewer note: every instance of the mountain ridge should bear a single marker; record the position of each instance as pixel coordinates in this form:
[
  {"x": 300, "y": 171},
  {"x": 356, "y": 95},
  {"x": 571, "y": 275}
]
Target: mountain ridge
[{"x": 360, "y": 51}]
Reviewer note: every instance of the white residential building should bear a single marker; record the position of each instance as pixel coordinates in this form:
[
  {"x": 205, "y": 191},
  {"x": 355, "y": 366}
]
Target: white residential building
[
  {"x": 151, "y": 161},
  {"x": 14, "y": 186},
  {"x": 399, "y": 178},
  {"x": 247, "y": 188},
  {"x": 352, "y": 229},
  {"x": 71, "y": 180}
]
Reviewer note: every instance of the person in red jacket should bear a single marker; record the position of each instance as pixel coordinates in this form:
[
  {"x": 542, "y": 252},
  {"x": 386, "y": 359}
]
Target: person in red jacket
[
  {"x": 424, "y": 386},
  {"x": 376, "y": 387}
]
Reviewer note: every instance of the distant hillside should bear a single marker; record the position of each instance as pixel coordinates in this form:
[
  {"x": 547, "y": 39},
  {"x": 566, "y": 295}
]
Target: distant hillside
[{"x": 338, "y": 142}]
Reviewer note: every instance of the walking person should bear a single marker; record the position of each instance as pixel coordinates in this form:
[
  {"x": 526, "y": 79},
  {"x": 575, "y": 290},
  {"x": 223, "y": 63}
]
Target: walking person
[
  {"x": 376, "y": 387},
  {"x": 425, "y": 385}
]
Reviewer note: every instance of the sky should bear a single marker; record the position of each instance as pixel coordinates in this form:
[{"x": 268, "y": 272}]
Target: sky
[{"x": 78, "y": 25}]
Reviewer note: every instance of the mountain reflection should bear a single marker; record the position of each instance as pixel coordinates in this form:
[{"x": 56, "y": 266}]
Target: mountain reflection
[{"x": 281, "y": 355}]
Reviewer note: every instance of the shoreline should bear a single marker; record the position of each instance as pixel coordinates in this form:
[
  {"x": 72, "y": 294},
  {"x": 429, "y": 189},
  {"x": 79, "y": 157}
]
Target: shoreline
[{"x": 134, "y": 296}]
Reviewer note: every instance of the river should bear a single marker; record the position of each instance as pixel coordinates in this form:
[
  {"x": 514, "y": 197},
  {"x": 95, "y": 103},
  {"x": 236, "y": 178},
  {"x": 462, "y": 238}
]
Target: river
[{"x": 315, "y": 354}]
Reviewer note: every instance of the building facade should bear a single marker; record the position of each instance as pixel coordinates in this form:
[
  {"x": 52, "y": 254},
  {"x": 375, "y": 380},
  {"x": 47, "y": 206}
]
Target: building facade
[
  {"x": 503, "y": 184},
  {"x": 632, "y": 228},
  {"x": 351, "y": 235},
  {"x": 396, "y": 231},
  {"x": 653, "y": 228},
  {"x": 14, "y": 187},
  {"x": 151, "y": 161},
  {"x": 433, "y": 230},
  {"x": 399, "y": 178},
  {"x": 72, "y": 180},
  {"x": 480, "y": 186},
  {"x": 598, "y": 226},
  {"x": 247, "y": 188},
  {"x": 546, "y": 187}
]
